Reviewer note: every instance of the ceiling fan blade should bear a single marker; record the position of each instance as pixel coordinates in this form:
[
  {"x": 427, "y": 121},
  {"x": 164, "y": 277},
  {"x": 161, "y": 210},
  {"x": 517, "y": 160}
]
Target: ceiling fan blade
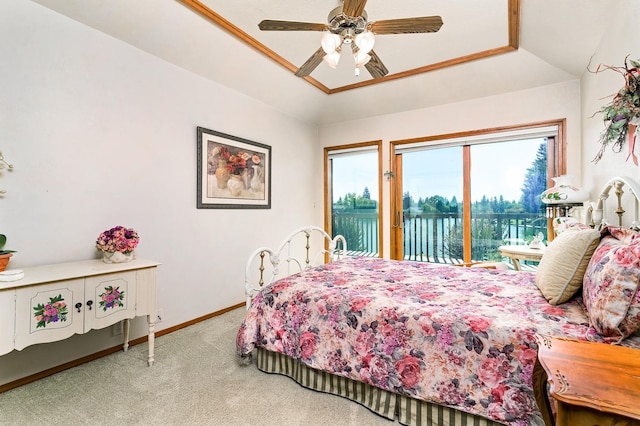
[
  {"x": 375, "y": 66},
  {"x": 271, "y": 25},
  {"x": 353, "y": 7},
  {"x": 311, "y": 63},
  {"x": 425, "y": 24}
]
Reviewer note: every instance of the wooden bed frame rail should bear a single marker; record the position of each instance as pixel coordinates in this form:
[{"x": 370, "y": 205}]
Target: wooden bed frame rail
[{"x": 304, "y": 248}]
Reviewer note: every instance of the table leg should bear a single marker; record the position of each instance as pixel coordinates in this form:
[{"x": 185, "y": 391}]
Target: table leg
[
  {"x": 125, "y": 332},
  {"x": 516, "y": 264},
  {"x": 151, "y": 338}
]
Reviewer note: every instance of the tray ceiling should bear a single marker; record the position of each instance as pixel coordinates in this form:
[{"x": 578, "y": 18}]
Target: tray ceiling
[
  {"x": 471, "y": 31},
  {"x": 484, "y": 48}
]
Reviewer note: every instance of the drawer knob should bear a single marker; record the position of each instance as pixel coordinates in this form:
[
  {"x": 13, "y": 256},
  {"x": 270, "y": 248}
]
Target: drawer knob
[
  {"x": 78, "y": 306},
  {"x": 89, "y": 303}
]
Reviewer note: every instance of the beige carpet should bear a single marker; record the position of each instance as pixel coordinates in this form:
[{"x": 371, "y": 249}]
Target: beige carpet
[{"x": 197, "y": 380}]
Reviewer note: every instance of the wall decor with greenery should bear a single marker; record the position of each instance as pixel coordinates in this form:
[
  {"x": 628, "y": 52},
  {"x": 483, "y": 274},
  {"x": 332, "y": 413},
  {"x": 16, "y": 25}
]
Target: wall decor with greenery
[{"x": 622, "y": 115}]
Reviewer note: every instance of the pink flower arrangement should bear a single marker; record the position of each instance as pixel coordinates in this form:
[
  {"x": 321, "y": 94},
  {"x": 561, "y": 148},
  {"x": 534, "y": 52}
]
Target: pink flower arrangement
[
  {"x": 236, "y": 163},
  {"x": 119, "y": 238}
]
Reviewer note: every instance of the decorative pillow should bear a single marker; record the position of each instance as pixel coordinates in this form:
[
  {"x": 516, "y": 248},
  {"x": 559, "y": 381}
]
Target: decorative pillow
[
  {"x": 559, "y": 275},
  {"x": 610, "y": 290}
]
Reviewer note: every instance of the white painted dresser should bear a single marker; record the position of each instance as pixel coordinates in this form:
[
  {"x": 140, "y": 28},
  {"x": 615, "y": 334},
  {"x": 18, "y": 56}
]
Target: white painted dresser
[{"x": 54, "y": 302}]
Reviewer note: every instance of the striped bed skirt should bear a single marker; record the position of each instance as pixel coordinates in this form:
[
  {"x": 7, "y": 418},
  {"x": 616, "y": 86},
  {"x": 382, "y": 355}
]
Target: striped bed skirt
[{"x": 406, "y": 410}]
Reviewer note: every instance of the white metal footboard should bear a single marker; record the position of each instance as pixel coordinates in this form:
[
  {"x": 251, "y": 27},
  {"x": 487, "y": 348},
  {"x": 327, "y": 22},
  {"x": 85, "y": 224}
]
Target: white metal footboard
[{"x": 304, "y": 248}]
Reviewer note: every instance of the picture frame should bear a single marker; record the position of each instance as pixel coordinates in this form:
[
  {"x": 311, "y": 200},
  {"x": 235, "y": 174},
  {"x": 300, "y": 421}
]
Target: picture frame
[{"x": 232, "y": 172}]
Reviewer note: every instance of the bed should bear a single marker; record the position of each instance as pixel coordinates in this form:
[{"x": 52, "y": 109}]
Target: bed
[{"x": 417, "y": 342}]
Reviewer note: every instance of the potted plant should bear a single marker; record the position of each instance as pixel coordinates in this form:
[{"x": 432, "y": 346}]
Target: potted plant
[{"x": 5, "y": 255}]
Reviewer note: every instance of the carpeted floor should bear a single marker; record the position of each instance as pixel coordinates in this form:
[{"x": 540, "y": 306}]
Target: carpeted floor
[{"x": 197, "y": 380}]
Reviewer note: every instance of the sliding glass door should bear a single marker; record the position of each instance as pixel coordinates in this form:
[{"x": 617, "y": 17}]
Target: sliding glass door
[{"x": 457, "y": 201}]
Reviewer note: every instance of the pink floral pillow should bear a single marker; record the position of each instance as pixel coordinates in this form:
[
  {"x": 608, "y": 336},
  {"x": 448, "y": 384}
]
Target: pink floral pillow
[{"x": 610, "y": 286}]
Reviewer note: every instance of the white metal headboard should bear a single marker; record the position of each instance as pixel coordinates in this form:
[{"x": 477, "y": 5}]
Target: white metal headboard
[
  {"x": 621, "y": 184},
  {"x": 265, "y": 265}
]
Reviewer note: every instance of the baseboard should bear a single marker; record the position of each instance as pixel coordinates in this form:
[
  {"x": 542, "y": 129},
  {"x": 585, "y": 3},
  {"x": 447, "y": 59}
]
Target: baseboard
[{"x": 53, "y": 370}]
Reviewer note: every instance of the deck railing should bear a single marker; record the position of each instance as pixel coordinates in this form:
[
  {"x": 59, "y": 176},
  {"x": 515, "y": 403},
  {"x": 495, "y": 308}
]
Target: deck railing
[
  {"x": 437, "y": 237},
  {"x": 360, "y": 229}
]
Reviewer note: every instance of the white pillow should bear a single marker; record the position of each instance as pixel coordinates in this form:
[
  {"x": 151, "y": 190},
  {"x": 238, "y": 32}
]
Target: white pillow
[{"x": 561, "y": 270}]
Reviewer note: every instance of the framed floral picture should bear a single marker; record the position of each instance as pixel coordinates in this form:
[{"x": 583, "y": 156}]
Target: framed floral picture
[{"x": 233, "y": 173}]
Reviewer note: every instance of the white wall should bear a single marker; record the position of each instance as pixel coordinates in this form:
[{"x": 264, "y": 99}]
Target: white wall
[
  {"x": 102, "y": 134},
  {"x": 535, "y": 105},
  {"x": 622, "y": 39}
]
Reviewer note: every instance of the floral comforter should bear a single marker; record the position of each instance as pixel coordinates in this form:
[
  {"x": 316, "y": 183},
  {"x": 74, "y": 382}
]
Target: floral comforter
[{"x": 460, "y": 337}]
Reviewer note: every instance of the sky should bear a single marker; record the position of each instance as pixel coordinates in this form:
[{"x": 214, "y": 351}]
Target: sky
[{"x": 496, "y": 169}]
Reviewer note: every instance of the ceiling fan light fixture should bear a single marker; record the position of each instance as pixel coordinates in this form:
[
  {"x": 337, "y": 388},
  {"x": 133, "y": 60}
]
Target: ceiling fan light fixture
[
  {"x": 348, "y": 34},
  {"x": 365, "y": 41},
  {"x": 332, "y": 59},
  {"x": 348, "y": 25},
  {"x": 361, "y": 58},
  {"x": 330, "y": 42}
]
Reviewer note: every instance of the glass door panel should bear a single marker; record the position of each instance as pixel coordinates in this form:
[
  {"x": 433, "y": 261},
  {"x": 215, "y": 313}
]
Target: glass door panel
[
  {"x": 354, "y": 189},
  {"x": 432, "y": 194},
  {"x": 507, "y": 179}
]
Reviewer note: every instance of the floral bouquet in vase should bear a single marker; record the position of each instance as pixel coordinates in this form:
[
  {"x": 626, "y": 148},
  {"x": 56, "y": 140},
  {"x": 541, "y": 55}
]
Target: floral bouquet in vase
[{"x": 118, "y": 244}]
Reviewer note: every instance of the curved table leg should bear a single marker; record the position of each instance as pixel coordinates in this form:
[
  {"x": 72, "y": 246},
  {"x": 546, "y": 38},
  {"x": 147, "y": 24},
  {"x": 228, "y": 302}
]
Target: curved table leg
[
  {"x": 125, "y": 327},
  {"x": 516, "y": 264},
  {"x": 151, "y": 338}
]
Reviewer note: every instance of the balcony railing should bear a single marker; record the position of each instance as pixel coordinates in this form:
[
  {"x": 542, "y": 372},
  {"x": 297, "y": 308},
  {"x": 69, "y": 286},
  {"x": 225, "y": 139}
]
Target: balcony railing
[
  {"x": 360, "y": 229},
  {"x": 437, "y": 237}
]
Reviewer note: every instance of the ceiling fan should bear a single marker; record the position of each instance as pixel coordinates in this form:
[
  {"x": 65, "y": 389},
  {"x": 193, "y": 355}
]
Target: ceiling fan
[{"x": 348, "y": 26}]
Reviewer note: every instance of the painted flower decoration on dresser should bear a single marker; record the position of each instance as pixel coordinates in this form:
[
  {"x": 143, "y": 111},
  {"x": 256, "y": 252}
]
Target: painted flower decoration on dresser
[
  {"x": 54, "y": 311},
  {"x": 118, "y": 239},
  {"x": 112, "y": 298}
]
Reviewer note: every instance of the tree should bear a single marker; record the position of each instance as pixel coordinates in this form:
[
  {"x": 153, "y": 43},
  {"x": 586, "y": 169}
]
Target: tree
[
  {"x": 453, "y": 205},
  {"x": 365, "y": 193},
  {"x": 407, "y": 201},
  {"x": 535, "y": 181},
  {"x": 351, "y": 201}
]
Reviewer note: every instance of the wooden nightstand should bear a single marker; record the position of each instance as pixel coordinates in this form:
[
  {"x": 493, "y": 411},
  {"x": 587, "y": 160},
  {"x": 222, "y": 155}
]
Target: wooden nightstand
[{"x": 592, "y": 383}]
